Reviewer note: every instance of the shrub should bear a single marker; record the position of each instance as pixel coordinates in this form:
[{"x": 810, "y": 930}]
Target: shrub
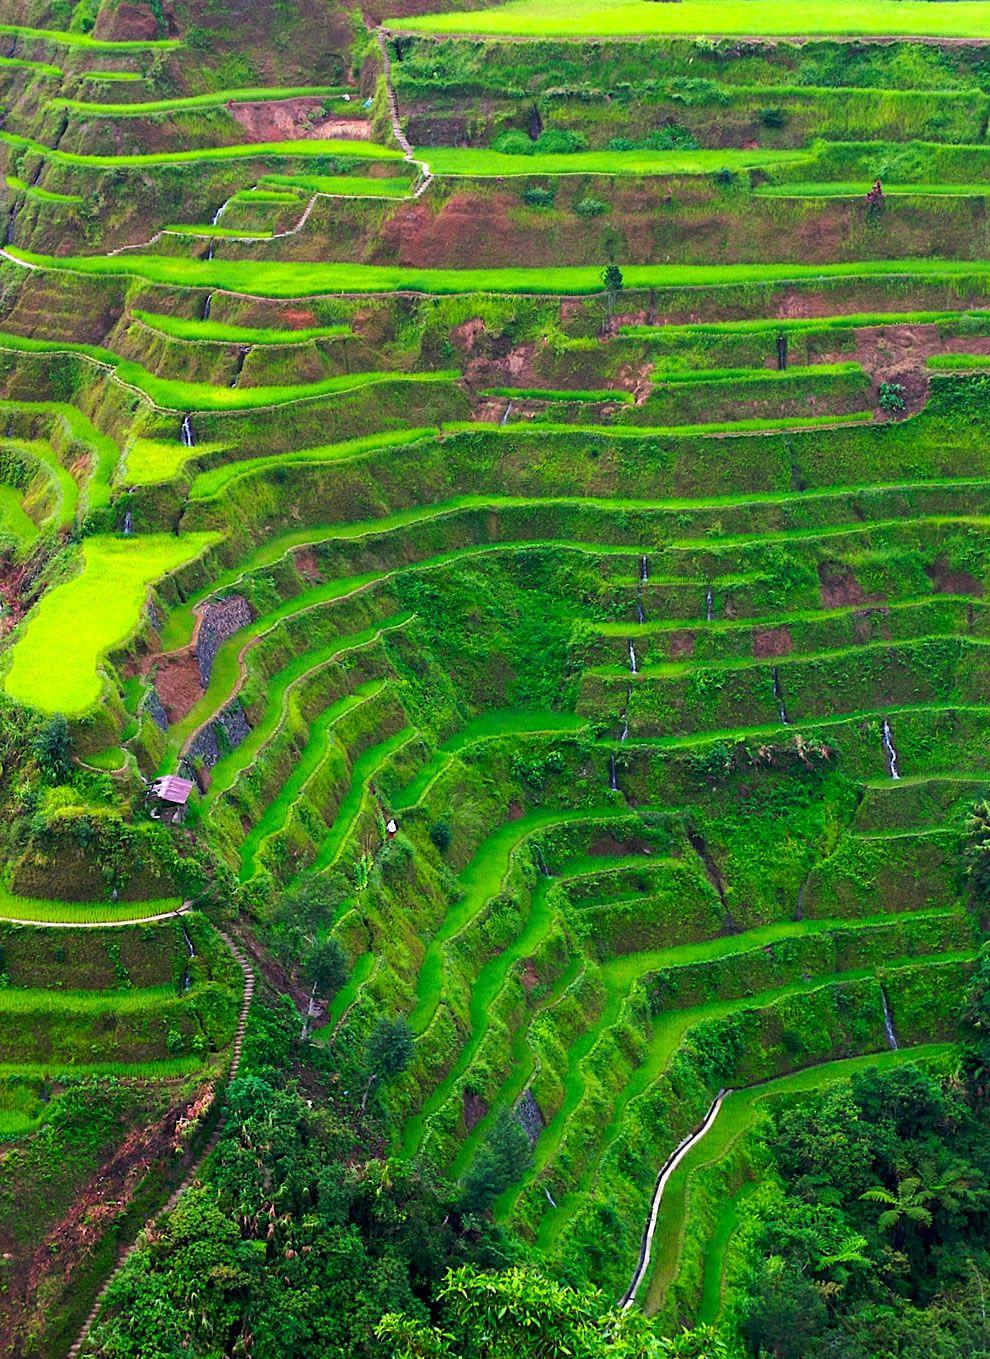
[
  {"x": 891, "y": 397},
  {"x": 537, "y": 197},
  {"x": 558, "y": 141},
  {"x": 590, "y": 207},
  {"x": 441, "y": 835},
  {"x": 773, "y": 117}
]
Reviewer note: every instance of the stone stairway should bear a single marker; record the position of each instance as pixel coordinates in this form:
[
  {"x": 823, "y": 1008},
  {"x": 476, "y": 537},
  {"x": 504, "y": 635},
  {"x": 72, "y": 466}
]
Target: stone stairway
[{"x": 191, "y": 1173}]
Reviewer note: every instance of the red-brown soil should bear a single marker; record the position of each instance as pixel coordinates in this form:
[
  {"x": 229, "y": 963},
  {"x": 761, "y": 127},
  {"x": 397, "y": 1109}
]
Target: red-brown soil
[
  {"x": 949, "y": 582},
  {"x": 838, "y": 586},
  {"x": 475, "y": 1109},
  {"x": 276, "y": 120},
  {"x": 177, "y": 682},
  {"x": 772, "y": 642},
  {"x": 681, "y": 644},
  {"x": 31, "y": 1282}
]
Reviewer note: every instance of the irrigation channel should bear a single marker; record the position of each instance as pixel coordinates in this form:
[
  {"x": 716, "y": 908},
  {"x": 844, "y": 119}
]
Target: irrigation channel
[{"x": 663, "y": 1179}]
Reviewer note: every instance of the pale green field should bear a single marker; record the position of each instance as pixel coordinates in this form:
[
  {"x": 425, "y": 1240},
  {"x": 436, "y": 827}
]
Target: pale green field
[
  {"x": 55, "y": 662},
  {"x": 629, "y": 18},
  {"x": 470, "y": 162}
]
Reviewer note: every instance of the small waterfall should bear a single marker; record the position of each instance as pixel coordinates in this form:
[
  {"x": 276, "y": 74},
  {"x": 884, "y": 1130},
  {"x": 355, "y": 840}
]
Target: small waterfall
[
  {"x": 644, "y": 570},
  {"x": 207, "y": 306},
  {"x": 187, "y": 975},
  {"x": 888, "y": 1023},
  {"x": 187, "y": 436},
  {"x": 613, "y": 773},
  {"x": 889, "y": 751},
  {"x": 128, "y": 524},
  {"x": 550, "y": 1198},
  {"x": 505, "y": 414},
  {"x": 212, "y": 250},
  {"x": 640, "y": 613},
  {"x": 241, "y": 357},
  {"x": 709, "y": 605},
  {"x": 632, "y": 657},
  {"x": 541, "y": 863},
  {"x": 778, "y": 694},
  {"x": 220, "y": 212}
]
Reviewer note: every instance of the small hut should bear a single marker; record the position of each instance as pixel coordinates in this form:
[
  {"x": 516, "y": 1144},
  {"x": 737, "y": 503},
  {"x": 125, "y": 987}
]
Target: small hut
[{"x": 169, "y": 796}]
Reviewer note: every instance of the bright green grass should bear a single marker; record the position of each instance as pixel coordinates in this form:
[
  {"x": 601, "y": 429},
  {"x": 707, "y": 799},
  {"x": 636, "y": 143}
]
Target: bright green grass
[
  {"x": 211, "y": 482},
  {"x": 174, "y": 394},
  {"x": 216, "y": 332},
  {"x": 66, "y": 489},
  {"x": 119, "y": 76},
  {"x": 474, "y": 162},
  {"x": 112, "y": 759},
  {"x": 14, "y": 522},
  {"x": 220, "y": 232},
  {"x": 279, "y": 197},
  {"x": 80, "y": 912},
  {"x": 281, "y": 278},
  {"x": 301, "y": 150},
  {"x": 63, "y": 38},
  {"x": 193, "y": 101},
  {"x": 56, "y": 658},
  {"x": 42, "y": 195},
  {"x": 103, "y": 452},
  {"x": 363, "y": 772},
  {"x": 215, "y": 479},
  {"x": 342, "y": 186},
  {"x": 306, "y": 764},
  {"x": 859, "y": 190},
  {"x": 280, "y": 688},
  {"x": 27, "y": 1001},
  {"x": 663, "y": 334},
  {"x": 478, "y": 883},
  {"x": 151, "y": 461},
  {"x": 953, "y": 362},
  {"x": 494, "y": 725},
  {"x": 628, "y": 18},
  {"x": 772, "y": 376},
  {"x": 736, "y": 1117},
  {"x": 167, "y": 1069},
  {"x": 41, "y": 68},
  {"x": 487, "y": 985},
  {"x": 669, "y": 1030}
]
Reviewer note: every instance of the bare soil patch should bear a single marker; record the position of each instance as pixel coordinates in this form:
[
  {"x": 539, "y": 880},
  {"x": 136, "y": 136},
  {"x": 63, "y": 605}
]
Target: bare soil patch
[{"x": 772, "y": 642}]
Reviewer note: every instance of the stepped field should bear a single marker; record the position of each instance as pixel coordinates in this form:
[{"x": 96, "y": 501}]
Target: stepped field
[{"x": 494, "y": 553}]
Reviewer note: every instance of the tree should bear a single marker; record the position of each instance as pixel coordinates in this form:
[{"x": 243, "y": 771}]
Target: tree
[
  {"x": 907, "y": 1203},
  {"x": 976, "y": 853},
  {"x": 505, "y": 1156},
  {"x": 326, "y": 967},
  {"x": 53, "y": 749},
  {"x": 389, "y": 1052},
  {"x": 521, "y": 1314},
  {"x": 612, "y": 281}
]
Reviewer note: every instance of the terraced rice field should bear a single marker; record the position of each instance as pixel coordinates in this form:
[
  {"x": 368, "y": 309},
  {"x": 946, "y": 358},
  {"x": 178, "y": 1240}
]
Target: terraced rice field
[{"x": 539, "y": 504}]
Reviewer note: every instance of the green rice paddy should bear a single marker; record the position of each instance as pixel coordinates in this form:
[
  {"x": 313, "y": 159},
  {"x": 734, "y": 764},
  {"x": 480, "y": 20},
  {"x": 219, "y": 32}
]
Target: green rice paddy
[{"x": 104, "y": 602}]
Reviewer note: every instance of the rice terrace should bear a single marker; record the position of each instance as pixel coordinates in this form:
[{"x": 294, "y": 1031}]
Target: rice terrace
[{"x": 494, "y": 679}]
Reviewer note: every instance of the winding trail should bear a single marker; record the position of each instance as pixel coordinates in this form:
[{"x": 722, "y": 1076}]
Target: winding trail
[
  {"x": 235, "y": 1061},
  {"x": 663, "y": 1179},
  {"x": 393, "y": 111}
]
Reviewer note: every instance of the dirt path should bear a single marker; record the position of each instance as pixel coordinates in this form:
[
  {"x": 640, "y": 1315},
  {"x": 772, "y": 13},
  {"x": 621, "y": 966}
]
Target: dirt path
[{"x": 191, "y": 1173}]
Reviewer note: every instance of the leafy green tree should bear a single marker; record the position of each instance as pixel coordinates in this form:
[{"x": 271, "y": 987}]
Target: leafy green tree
[
  {"x": 389, "y": 1052},
  {"x": 326, "y": 967},
  {"x": 53, "y": 749},
  {"x": 521, "y": 1314},
  {"x": 976, "y": 852},
  {"x": 504, "y": 1157},
  {"x": 613, "y": 284}
]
